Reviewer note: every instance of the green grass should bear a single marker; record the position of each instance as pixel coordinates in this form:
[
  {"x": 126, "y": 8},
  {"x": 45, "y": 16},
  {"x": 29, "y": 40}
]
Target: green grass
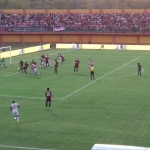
[{"x": 113, "y": 109}]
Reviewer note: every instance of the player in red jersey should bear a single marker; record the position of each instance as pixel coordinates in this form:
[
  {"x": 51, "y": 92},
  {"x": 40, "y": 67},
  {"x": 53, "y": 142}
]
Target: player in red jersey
[
  {"x": 56, "y": 66},
  {"x": 21, "y": 66},
  {"x": 62, "y": 58},
  {"x": 25, "y": 67},
  {"x": 47, "y": 61},
  {"x": 139, "y": 69},
  {"x": 43, "y": 56},
  {"x": 76, "y": 65},
  {"x": 48, "y": 95}
]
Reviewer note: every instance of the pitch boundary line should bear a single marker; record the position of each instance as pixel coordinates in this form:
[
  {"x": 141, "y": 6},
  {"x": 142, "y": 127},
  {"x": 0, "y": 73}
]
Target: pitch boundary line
[
  {"x": 27, "y": 97},
  {"x": 17, "y": 147},
  {"x": 127, "y": 75},
  {"x": 11, "y": 74},
  {"x": 100, "y": 78},
  {"x": 106, "y": 56}
]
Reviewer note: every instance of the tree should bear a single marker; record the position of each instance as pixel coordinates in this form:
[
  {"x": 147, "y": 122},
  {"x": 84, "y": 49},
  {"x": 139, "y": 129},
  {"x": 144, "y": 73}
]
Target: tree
[{"x": 74, "y": 4}]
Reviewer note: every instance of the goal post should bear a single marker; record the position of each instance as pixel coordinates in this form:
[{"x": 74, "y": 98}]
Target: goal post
[{"x": 2, "y": 50}]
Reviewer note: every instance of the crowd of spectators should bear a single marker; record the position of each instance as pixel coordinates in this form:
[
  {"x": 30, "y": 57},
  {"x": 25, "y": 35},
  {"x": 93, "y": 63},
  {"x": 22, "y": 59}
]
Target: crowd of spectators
[{"x": 101, "y": 22}]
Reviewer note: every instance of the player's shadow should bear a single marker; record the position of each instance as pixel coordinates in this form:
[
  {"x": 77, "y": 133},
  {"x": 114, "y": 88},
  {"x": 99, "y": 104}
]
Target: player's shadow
[
  {"x": 81, "y": 74},
  {"x": 53, "y": 113},
  {"x": 35, "y": 77},
  {"x": 60, "y": 75}
]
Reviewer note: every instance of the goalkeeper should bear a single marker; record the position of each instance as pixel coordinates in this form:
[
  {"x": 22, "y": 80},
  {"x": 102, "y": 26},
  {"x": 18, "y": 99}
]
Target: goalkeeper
[{"x": 2, "y": 62}]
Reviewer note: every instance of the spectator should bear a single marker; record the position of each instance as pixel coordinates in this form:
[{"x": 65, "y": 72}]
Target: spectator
[{"x": 97, "y": 22}]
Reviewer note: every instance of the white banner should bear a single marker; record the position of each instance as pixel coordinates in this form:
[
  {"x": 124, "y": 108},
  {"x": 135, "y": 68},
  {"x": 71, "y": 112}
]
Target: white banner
[{"x": 59, "y": 29}]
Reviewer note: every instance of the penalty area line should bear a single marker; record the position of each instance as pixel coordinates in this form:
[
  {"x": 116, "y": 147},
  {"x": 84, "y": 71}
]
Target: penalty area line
[
  {"x": 100, "y": 78},
  {"x": 17, "y": 147},
  {"x": 127, "y": 75},
  {"x": 10, "y": 96},
  {"x": 11, "y": 74}
]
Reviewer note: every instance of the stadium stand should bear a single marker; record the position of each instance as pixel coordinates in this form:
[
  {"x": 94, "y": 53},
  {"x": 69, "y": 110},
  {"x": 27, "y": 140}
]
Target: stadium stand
[{"x": 97, "y": 22}]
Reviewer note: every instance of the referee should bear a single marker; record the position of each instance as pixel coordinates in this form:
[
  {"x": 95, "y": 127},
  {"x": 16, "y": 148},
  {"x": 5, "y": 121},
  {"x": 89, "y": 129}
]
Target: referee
[{"x": 92, "y": 72}]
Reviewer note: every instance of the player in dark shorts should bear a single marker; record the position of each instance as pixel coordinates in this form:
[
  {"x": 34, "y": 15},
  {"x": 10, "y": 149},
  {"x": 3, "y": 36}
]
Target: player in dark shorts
[
  {"x": 47, "y": 61},
  {"x": 48, "y": 95},
  {"x": 56, "y": 66},
  {"x": 2, "y": 62},
  {"x": 25, "y": 67},
  {"x": 92, "y": 72},
  {"x": 43, "y": 56},
  {"x": 62, "y": 58},
  {"x": 139, "y": 69},
  {"x": 76, "y": 65},
  {"x": 21, "y": 66}
]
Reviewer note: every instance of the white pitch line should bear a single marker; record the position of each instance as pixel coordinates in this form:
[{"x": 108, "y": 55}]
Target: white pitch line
[
  {"x": 17, "y": 147},
  {"x": 11, "y": 74},
  {"x": 103, "y": 57},
  {"x": 100, "y": 78},
  {"x": 25, "y": 97},
  {"x": 127, "y": 75}
]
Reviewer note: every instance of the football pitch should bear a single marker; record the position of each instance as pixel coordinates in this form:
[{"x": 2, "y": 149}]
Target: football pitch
[{"x": 112, "y": 109}]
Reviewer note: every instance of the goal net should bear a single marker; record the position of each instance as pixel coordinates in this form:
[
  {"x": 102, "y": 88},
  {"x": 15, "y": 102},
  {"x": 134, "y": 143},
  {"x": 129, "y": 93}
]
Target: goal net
[{"x": 3, "y": 53}]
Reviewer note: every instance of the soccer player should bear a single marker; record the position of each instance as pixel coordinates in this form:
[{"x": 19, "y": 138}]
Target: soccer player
[
  {"x": 21, "y": 66},
  {"x": 43, "y": 56},
  {"x": 42, "y": 61},
  {"x": 59, "y": 58},
  {"x": 102, "y": 46},
  {"x": 139, "y": 69},
  {"x": 32, "y": 64},
  {"x": 25, "y": 67},
  {"x": 48, "y": 95},
  {"x": 76, "y": 65},
  {"x": 35, "y": 68},
  {"x": 73, "y": 46},
  {"x": 14, "y": 108},
  {"x": 47, "y": 61},
  {"x": 62, "y": 58},
  {"x": 90, "y": 63},
  {"x": 2, "y": 62},
  {"x": 56, "y": 66},
  {"x": 92, "y": 72}
]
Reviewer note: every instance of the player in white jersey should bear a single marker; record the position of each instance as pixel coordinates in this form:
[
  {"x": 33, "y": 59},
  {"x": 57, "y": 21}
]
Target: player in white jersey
[
  {"x": 90, "y": 63},
  {"x": 59, "y": 58},
  {"x": 49, "y": 61},
  {"x": 35, "y": 68},
  {"x": 14, "y": 108},
  {"x": 32, "y": 63}
]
